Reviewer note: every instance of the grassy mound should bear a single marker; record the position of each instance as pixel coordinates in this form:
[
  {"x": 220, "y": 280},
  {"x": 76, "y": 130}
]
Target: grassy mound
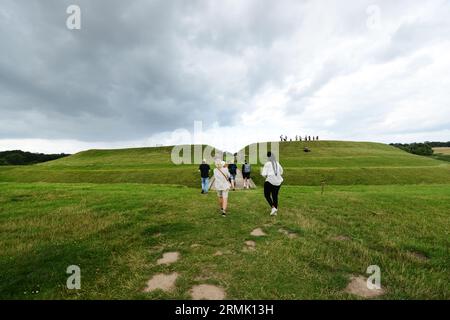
[
  {"x": 335, "y": 162},
  {"x": 349, "y": 163}
]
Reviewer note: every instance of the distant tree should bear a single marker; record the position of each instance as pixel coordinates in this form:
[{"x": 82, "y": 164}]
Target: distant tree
[
  {"x": 15, "y": 158},
  {"x": 435, "y": 144},
  {"x": 18, "y": 157},
  {"x": 422, "y": 149}
]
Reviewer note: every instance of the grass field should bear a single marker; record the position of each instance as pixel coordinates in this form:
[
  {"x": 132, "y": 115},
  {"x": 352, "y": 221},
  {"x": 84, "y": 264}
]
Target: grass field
[
  {"x": 442, "y": 150},
  {"x": 88, "y": 210},
  {"x": 442, "y": 154}
]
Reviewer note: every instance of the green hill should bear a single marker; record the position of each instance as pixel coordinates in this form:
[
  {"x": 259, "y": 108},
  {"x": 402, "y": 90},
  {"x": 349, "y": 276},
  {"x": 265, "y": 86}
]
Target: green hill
[
  {"x": 335, "y": 162},
  {"x": 349, "y": 163},
  {"x": 19, "y": 157},
  {"x": 134, "y": 165}
]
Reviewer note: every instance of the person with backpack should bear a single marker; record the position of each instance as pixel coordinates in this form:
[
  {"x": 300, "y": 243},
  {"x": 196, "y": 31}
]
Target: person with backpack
[
  {"x": 246, "y": 170},
  {"x": 204, "y": 175},
  {"x": 222, "y": 185},
  {"x": 232, "y": 168},
  {"x": 273, "y": 172}
]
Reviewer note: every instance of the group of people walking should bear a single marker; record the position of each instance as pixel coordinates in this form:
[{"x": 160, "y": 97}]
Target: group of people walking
[
  {"x": 299, "y": 138},
  {"x": 225, "y": 179}
]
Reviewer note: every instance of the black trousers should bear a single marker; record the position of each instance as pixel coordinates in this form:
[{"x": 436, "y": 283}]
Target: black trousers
[{"x": 271, "y": 194}]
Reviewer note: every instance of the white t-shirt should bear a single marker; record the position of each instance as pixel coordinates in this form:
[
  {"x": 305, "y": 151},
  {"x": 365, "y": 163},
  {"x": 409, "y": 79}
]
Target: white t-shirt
[
  {"x": 268, "y": 173},
  {"x": 221, "y": 180}
]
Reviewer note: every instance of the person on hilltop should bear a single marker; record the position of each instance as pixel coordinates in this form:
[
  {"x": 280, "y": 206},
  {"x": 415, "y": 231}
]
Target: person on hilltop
[
  {"x": 246, "y": 170},
  {"x": 222, "y": 185},
  {"x": 204, "y": 175},
  {"x": 232, "y": 168},
  {"x": 273, "y": 172}
]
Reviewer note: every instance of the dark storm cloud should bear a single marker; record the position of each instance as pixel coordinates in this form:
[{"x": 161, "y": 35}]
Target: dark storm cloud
[
  {"x": 139, "y": 68},
  {"x": 122, "y": 75}
]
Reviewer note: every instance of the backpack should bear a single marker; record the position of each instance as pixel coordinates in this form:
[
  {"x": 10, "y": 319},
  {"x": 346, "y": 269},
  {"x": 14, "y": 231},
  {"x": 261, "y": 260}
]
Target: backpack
[{"x": 247, "y": 167}]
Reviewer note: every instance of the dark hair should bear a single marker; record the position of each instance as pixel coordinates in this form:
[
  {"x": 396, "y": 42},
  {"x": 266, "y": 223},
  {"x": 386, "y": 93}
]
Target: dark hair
[{"x": 269, "y": 154}]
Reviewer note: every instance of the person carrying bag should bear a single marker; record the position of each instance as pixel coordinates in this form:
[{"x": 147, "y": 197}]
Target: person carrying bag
[{"x": 273, "y": 172}]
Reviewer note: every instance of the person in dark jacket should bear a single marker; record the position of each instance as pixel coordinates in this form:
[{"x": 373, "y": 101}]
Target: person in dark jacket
[
  {"x": 246, "y": 170},
  {"x": 204, "y": 174},
  {"x": 232, "y": 168}
]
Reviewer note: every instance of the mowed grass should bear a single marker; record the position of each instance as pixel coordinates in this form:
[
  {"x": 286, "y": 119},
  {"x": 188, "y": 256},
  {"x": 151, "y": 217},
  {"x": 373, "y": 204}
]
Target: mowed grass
[
  {"x": 116, "y": 232},
  {"x": 355, "y": 163},
  {"x": 334, "y": 162},
  {"x": 136, "y": 165}
]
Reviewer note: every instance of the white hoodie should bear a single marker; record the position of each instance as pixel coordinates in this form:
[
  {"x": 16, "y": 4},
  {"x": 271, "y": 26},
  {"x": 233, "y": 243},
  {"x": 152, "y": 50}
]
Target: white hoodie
[{"x": 268, "y": 173}]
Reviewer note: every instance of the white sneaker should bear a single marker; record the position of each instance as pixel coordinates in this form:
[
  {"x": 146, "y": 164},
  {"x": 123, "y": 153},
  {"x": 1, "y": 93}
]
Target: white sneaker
[{"x": 274, "y": 212}]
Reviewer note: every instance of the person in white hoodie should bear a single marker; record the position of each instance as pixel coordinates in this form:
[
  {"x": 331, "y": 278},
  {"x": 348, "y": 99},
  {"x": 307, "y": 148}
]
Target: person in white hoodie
[
  {"x": 272, "y": 171},
  {"x": 222, "y": 185}
]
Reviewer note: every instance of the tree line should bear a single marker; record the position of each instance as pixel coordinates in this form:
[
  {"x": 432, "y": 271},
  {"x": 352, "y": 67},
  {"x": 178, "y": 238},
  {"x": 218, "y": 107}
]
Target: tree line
[
  {"x": 19, "y": 157},
  {"x": 422, "y": 149},
  {"x": 436, "y": 144}
]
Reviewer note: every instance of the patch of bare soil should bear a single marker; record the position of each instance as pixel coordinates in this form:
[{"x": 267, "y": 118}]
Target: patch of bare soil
[
  {"x": 258, "y": 232},
  {"x": 207, "y": 292},
  {"x": 290, "y": 234},
  {"x": 341, "y": 238},
  {"x": 169, "y": 257},
  {"x": 250, "y": 245},
  {"x": 164, "y": 282},
  {"x": 358, "y": 286},
  {"x": 417, "y": 255}
]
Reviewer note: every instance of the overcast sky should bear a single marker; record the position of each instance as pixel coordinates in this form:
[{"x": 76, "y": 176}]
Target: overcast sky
[{"x": 139, "y": 73}]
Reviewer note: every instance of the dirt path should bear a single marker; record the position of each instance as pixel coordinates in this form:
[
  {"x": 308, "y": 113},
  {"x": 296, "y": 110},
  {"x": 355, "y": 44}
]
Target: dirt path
[{"x": 239, "y": 182}]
